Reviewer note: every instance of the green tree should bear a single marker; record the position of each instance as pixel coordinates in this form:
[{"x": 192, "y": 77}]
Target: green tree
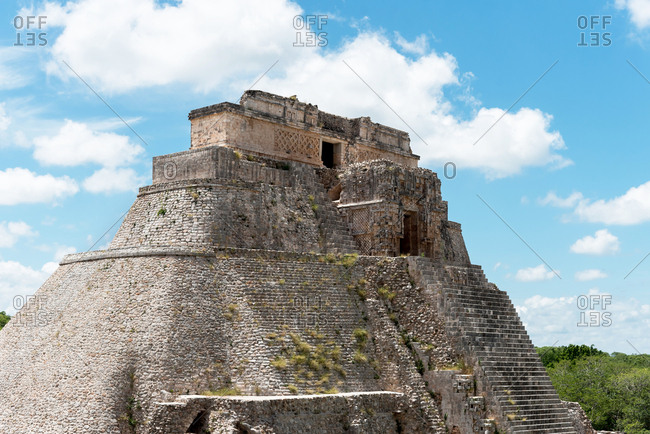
[
  {"x": 614, "y": 390},
  {"x": 4, "y": 319},
  {"x": 632, "y": 392},
  {"x": 551, "y": 355}
]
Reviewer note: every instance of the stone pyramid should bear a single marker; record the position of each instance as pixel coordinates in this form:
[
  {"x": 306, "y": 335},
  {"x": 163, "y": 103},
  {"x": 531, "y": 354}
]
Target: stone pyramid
[{"x": 294, "y": 271}]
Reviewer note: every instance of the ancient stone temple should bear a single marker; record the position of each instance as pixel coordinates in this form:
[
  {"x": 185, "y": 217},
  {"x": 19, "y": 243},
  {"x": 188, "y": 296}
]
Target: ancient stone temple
[{"x": 293, "y": 271}]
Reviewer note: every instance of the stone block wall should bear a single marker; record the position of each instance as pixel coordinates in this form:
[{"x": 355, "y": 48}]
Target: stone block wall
[
  {"x": 384, "y": 203},
  {"x": 285, "y": 128},
  {"x": 259, "y": 204},
  {"x": 377, "y": 412}
]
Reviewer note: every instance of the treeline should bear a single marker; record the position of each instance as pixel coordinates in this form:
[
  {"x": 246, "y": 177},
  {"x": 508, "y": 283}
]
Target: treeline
[
  {"x": 4, "y": 319},
  {"x": 613, "y": 389}
]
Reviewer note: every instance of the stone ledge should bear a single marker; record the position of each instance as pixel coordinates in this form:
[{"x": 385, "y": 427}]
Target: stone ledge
[
  {"x": 139, "y": 252},
  {"x": 245, "y": 398}
]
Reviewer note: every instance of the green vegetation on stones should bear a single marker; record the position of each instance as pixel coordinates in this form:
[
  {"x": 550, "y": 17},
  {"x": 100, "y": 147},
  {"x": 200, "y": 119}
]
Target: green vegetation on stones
[
  {"x": 224, "y": 391},
  {"x": 4, "y": 319},
  {"x": 386, "y": 293}
]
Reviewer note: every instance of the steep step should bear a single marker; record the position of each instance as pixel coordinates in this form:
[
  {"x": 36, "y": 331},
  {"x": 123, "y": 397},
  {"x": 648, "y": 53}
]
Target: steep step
[{"x": 487, "y": 324}]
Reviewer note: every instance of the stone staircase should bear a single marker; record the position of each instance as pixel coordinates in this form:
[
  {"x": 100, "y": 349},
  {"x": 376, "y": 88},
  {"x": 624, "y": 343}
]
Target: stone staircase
[
  {"x": 334, "y": 231},
  {"x": 488, "y": 331}
]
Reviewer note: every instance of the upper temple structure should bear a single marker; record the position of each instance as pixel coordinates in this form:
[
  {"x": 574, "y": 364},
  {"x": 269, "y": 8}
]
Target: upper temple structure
[{"x": 293, "y": 271}]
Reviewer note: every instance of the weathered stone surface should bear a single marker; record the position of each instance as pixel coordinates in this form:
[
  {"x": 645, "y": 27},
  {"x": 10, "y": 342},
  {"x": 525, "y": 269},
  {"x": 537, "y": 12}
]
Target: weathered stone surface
[{"x": 238, "y": 272}]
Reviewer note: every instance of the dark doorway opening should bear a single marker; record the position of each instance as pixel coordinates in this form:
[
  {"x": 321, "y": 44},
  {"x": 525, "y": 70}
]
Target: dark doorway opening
[
  {"x": 329, "y": 155},
  {"x": 200, "y": 423},
  {"x": 408, "y": 244}
]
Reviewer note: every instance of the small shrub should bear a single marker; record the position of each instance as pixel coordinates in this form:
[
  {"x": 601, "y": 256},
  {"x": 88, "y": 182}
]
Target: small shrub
[
  {"x": 386, "y": 293},
  {"x": 359, "y": 357},
  {"x": 361, "y": 336},
  {"x": 279, "y": 363},
  {"x": 349, "y": 260},
  {"x": 293, "y": 389}
]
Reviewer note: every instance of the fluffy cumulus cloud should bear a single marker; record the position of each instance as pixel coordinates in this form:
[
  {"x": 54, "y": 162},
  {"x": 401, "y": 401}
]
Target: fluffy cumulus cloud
[
  {"x": 632, "y": 207},
  {"x": 152, "y": 45},
  {"x": 110, "y": 180},
  {"x": 601, "y": 243},
  {"x": 148, "y": 44},
  {"x": 534, "y": 274},
  {"x": 604, "y": 320},
  {"x": 590, "y": 274},
  {"x": 415, "y": 101},
  {"x": 76, "y": 144},
  {"x": 639, "y": 11},
  {"x": 18, "y": 186},
  {"x": 10, "y": 232}
]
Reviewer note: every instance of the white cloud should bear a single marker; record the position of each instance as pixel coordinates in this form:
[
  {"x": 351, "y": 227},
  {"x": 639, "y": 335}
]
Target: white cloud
[
  {"x": 10, "y": 232},
  {"x": 590, "y": 274},
  {"x": 18, "y": 280},
  {"x": 18, "y": 185},
  {"x": 108, "y": 180},
  {"x": 554, "y": 321},
  {"x": 14, "y": 69},
  {"x": 192, "y": 42},
  {"x": 4, "y": 118},
  {"x": 631, "y": 208},
  {"x": 602, "y": 243},
  {"x": 76, "y": 144},
  {"x": 418, "y": 46},
  {"x": 152, "y": 45},
  {"x": 534, "y": 274},
  {"x": 415, "y": 90},
  {"x": 639, "y": 11},
  {"x": 569, "y": 202},
  {"x": 50, "y": 267},
  {"x": 61, "y": 251}
]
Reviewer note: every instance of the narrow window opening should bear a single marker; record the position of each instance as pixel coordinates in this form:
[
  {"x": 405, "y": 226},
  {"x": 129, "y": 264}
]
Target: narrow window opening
[
  {"x": 408, "y": 244},
  {"x": 331, "y": 154}
]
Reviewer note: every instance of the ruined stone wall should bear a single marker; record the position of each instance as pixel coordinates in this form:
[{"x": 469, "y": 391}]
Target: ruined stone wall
[
  {"x": 133, "y": 327},
  {"x": 258, "y": 136},
  {"x": 375, "y": 412},
  {"x": 284, "y": 128},
  {"x": 375, "y": 198},
  {"x": 239, "y": 203}
]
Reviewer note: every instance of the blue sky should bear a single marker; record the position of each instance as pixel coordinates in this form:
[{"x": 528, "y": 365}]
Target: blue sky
[{"x": 558, "y": 184}]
